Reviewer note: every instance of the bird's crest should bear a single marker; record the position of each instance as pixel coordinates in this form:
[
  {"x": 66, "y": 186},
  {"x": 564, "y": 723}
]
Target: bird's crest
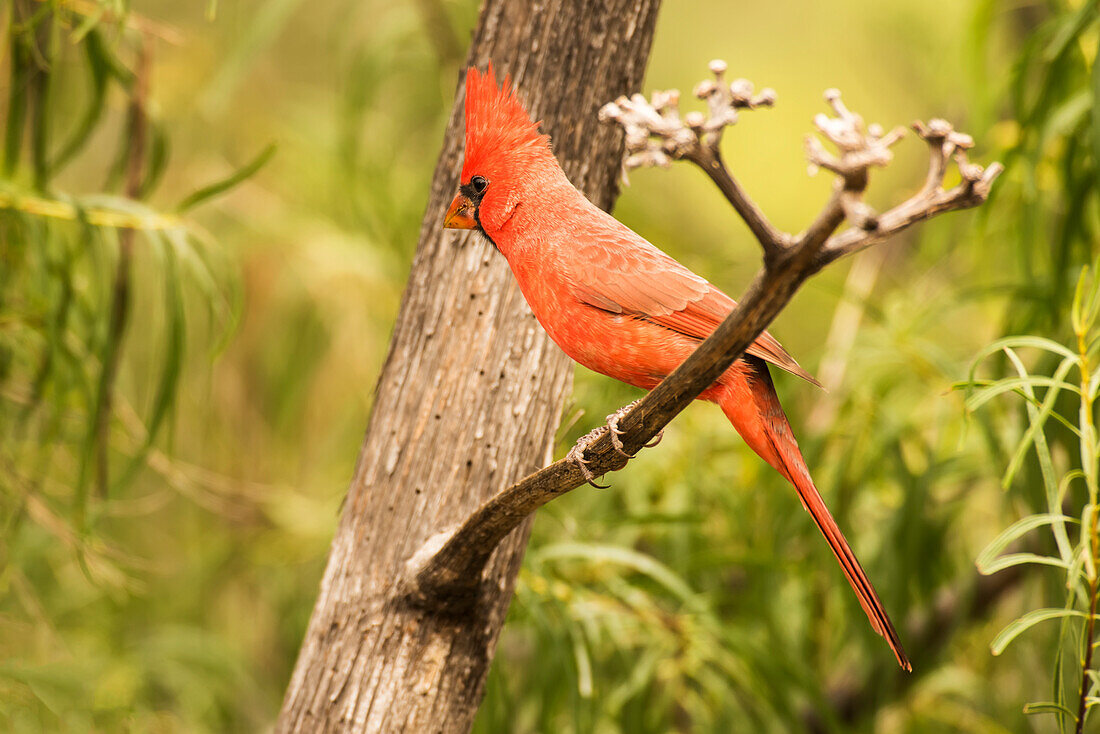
[{"x": 498, "y": 128}]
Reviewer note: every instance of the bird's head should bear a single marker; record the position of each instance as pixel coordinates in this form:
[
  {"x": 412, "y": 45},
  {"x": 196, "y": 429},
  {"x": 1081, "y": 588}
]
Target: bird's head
[{"x": 505, "y": 156}]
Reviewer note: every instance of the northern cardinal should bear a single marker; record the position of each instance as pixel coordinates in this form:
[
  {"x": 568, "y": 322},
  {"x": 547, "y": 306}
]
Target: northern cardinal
[{"x": 617, "y": 304}]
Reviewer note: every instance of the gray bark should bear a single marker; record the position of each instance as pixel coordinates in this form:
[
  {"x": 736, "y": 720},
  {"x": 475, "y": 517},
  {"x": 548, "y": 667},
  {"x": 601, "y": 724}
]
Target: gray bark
[{"x": 468, "y": 401}]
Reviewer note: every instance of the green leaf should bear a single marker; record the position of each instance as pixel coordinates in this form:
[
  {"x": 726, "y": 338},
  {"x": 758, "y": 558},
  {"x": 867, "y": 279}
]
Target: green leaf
[
  {"x": 1034, "y": 434},
  {"x": 41, "y": 124},
  {"x": 1069, "y": 426},
  {"x": 1015, "y": 342},
  {"x": 1029, "y": 620},
  {"x": 173, "y": 360},
  {"x": 1016, "y": 559},
  {"x": 158, "y": 158},
  {"x": 1070, "y": 29},
  {"x": 18, "y": 95},
  {"x": 220, "y": 187},
  {"x": 99, "y": 69},
  {"x": 989, "y": 554},
  {"x": 1066, "y": 117},
  {"x": 1013, "y": 384},
  {"x": 1048, "y": 707},
  {"x": 1037, "y": 417},
  {"x": 1084, "y": 308},
  {"x": 583, "y": 661}
]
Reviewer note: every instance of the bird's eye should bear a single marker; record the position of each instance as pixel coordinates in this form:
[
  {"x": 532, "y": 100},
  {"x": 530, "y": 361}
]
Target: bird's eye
[{"x": 480, "y": 183}]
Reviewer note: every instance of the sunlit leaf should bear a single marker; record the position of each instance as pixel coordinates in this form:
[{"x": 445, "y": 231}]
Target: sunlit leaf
[
  {"x": 1026, "y": 622},
  {"x": 989, "y": 555},
  {"x": 1015, "y": 559},
  {"x": 1014, "y": 384},
  {"x": 1048, "y": 707},
  {"x": 1035, "y": 435},
  {"x": 1017, "y": 342}
]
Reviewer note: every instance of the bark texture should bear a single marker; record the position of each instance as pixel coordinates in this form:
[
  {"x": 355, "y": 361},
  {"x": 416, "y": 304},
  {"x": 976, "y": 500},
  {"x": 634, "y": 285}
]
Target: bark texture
[{"x": 468, "y": 401}]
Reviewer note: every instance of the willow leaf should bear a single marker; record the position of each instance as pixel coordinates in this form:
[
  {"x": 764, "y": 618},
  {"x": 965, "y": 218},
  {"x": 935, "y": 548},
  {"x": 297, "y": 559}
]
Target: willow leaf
[{"x": 1026, "y": 622}]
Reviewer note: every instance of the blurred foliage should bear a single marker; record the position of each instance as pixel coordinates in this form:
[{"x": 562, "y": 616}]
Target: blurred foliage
[
  {"x": 695, "y": 595},
  {"x": 1075, "y": 677},
  {"x": 1052, "y": 155},
  {"x": 96, "y": 294}
]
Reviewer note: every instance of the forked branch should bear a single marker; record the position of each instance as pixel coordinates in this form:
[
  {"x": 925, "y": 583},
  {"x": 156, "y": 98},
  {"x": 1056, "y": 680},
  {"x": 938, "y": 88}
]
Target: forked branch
[
  {"x": 446, "y": 572},
  {"x": 656, "y": 135}
]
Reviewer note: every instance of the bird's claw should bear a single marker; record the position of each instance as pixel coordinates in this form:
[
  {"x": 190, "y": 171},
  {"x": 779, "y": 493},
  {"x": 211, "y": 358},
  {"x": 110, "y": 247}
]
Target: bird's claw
[
  {"x": 576, "y": 454},
  {"x": 613, "y": 426}
]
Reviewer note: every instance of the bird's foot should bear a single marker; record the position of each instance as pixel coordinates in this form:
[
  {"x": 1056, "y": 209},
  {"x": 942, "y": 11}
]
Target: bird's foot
[
  {"x": 576, "y": 454},
  {"x": 613, "y": 426}
]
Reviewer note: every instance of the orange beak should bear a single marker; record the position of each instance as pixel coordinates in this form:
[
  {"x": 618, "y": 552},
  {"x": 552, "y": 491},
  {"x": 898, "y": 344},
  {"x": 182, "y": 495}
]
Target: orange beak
[{"x": 461, "y": 214}]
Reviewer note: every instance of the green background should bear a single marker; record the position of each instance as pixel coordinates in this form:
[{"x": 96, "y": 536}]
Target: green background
[{"x": 695, "y": 594}]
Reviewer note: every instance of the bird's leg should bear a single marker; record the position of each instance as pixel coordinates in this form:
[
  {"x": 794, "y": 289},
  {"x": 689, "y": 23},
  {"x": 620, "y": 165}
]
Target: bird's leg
[
  {"x": 613, "y": 426},
  {"x": 576, "y": 454}
]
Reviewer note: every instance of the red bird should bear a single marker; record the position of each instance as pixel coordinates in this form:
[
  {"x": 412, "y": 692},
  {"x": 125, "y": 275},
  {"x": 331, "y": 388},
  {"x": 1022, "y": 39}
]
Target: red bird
[{"x": 617, "y": 304}]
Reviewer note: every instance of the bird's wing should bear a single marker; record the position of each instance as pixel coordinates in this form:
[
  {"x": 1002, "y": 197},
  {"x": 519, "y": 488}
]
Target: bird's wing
[{"x": 619, "y": 272}]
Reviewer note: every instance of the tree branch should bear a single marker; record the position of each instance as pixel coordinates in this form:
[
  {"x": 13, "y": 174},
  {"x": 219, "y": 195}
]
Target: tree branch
[
  {"x": 656, "y": 135},
  {"x": 944, "y": 143},
  {"x": 446, "y": 571}
]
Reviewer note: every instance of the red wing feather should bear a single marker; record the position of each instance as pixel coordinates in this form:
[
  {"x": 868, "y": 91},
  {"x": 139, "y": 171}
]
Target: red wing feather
[{"x": 619, "y": 272}]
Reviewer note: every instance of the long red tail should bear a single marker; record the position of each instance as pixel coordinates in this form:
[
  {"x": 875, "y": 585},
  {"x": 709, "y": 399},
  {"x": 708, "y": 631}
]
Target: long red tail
[{"x": 752, "y": 406}]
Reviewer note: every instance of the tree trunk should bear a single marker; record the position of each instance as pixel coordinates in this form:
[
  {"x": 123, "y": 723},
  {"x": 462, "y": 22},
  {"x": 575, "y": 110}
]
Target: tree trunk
[{"x": 468, "y": 401}]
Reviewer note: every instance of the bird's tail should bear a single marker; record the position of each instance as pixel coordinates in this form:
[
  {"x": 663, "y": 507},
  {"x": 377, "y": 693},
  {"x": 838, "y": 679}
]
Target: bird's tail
[{"x": 755, "y": 412}]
